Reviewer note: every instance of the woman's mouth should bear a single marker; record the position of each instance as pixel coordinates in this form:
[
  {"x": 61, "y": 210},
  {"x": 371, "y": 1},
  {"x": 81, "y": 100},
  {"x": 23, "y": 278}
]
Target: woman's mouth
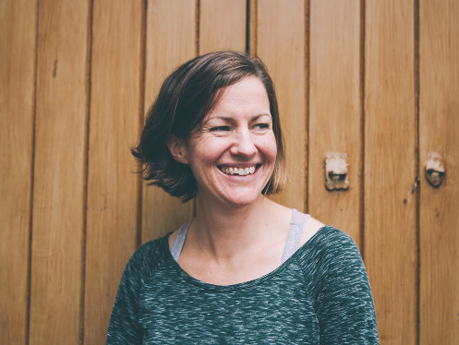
[{"x": 239, "y": 171}]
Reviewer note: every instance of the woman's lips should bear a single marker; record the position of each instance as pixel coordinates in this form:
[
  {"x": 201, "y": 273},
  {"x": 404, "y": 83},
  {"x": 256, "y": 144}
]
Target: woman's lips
[{"x": 239, "y": 171}]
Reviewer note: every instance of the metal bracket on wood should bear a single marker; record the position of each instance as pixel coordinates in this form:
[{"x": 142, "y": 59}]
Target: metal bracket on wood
[
  {"x": 336, "y": 173},
  {"x": 435, "y": 169}
]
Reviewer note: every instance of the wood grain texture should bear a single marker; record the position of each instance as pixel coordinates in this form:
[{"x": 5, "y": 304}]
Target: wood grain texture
[
  {"x": 390, "y": 167},
  {"x": 54, "y": 161},
  {"x": 171, "y": 37},
  {"x": 335, "y": 109},
  {"x": 59, "y": 172},
  {"x": 439, "y": 129},
  {"x": 281, "y": 45},
  {"x": 222, "y": 25},
  {"x": 17, "y": 83},
  {"x": 112, "y": 184}
]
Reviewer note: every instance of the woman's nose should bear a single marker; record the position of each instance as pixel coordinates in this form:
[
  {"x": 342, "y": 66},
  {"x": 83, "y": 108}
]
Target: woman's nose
[{"x": 244, "y": 145}]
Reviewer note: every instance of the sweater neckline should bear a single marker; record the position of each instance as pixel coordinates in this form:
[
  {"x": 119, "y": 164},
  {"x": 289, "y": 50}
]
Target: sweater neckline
[{"x": 242, "y": 285}]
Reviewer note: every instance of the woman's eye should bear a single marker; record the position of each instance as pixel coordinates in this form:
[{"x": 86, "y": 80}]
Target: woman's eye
[
  {"x": 220, "y": 129},
  {"x": 262, "y": 126}
]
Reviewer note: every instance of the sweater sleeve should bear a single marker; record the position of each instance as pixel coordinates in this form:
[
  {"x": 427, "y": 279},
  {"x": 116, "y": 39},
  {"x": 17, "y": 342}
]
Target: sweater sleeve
[
  {"x": 124, "y": 326},
  {"x": 344, "y": 305}
]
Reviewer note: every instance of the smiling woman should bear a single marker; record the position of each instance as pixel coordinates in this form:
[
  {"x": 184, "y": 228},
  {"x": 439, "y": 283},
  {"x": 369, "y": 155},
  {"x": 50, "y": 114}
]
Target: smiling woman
[
  {"x": 186, "y": 97},
  {"x": 245, "y": 270},
  {"x": 233, "y": 153}
]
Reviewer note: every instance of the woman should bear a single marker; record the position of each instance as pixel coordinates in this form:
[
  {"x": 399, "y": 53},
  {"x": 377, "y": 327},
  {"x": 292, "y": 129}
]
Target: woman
[{"x": 245, "y": 270}]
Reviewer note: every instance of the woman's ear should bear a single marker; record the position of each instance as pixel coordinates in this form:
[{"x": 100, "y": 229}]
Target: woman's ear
[{"x": 177, "y": 148}]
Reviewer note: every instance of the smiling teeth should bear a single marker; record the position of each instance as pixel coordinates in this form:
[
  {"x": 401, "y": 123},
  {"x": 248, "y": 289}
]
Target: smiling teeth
[{"x": 239, "y": 171}]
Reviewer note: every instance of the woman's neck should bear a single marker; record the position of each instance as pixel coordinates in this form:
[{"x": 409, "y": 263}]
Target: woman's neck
[{"x": 224, "y": 232}]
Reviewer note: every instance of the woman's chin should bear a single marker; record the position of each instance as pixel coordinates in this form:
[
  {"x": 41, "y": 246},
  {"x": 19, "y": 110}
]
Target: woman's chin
[{"x": 239, "y": 200}]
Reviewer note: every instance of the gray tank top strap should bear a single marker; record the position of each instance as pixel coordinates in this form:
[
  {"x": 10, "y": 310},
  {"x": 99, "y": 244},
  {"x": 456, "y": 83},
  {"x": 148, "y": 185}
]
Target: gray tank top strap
[
  {"x": 180, "y": 240},
  {"x": 294, "y": 234}
]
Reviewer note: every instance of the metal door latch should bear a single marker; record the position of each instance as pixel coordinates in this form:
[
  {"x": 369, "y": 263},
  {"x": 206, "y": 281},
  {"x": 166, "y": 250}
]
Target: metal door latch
[
  {"x": 435, "y": 169},
  {"x": 336, "y": 174}
]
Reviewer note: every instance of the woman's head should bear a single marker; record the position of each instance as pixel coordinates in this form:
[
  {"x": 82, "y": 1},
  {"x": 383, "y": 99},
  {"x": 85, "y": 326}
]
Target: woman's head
[{"x": 185, "y": 98}]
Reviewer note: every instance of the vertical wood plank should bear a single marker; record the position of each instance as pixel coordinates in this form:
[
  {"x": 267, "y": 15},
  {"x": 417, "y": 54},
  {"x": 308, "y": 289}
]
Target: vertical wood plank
[
  {"x": 439, "y": 128},
  {"x": 222, "y": 25},
  {"x": 116, "y": 64},
  {"x": 171, "y": 40},
  {"x": 390, "y": 167},
  {"x": 59, "y": 172},
  {"x": 335, "y": 109},
  {"x": 281, "y": 45},
  {"x": 17, "y": 71},
  {"x": 252, "y": 26}
]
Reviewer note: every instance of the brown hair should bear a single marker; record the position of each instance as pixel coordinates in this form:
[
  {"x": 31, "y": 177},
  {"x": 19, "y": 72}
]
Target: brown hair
[{"x": 185, "y": 98}]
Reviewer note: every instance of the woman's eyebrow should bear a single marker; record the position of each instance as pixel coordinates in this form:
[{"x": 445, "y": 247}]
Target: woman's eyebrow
[
  {"x": 231, "y": 119},
  {"x": 256, "y": 117}
]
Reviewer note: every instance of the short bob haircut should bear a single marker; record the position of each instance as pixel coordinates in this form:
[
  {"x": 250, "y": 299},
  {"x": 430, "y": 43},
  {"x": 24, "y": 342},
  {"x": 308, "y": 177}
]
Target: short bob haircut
[{"x": 185, "y": 98}]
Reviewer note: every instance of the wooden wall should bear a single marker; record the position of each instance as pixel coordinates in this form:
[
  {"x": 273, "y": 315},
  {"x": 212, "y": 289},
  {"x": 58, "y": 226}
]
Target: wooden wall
[{"x": 377, "y": 80}]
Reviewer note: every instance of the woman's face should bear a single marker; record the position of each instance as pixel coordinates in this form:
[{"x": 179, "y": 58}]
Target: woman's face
[{"x": 232, "y": 155}]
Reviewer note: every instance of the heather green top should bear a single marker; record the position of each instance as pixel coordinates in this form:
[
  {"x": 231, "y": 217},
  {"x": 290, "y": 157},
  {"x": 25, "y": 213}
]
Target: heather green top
[{"x": 320, "y": 295}]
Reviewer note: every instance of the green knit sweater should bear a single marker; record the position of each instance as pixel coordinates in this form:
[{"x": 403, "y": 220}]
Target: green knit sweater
[{"x": 320, "y": 295}]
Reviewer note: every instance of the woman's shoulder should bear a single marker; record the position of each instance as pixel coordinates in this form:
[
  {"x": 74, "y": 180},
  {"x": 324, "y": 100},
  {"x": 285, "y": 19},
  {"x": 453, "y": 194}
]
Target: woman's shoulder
[
  {"x": 330, "y": 257},
  {"x": 311, "y": 227},
  {"x": 154, "y": 245},
  {"x": 321, "y": 234},
  {"x": 327, "y": 239},
  {"x": 149, "y": 255},
  {"x": 329, "y": 248}
]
